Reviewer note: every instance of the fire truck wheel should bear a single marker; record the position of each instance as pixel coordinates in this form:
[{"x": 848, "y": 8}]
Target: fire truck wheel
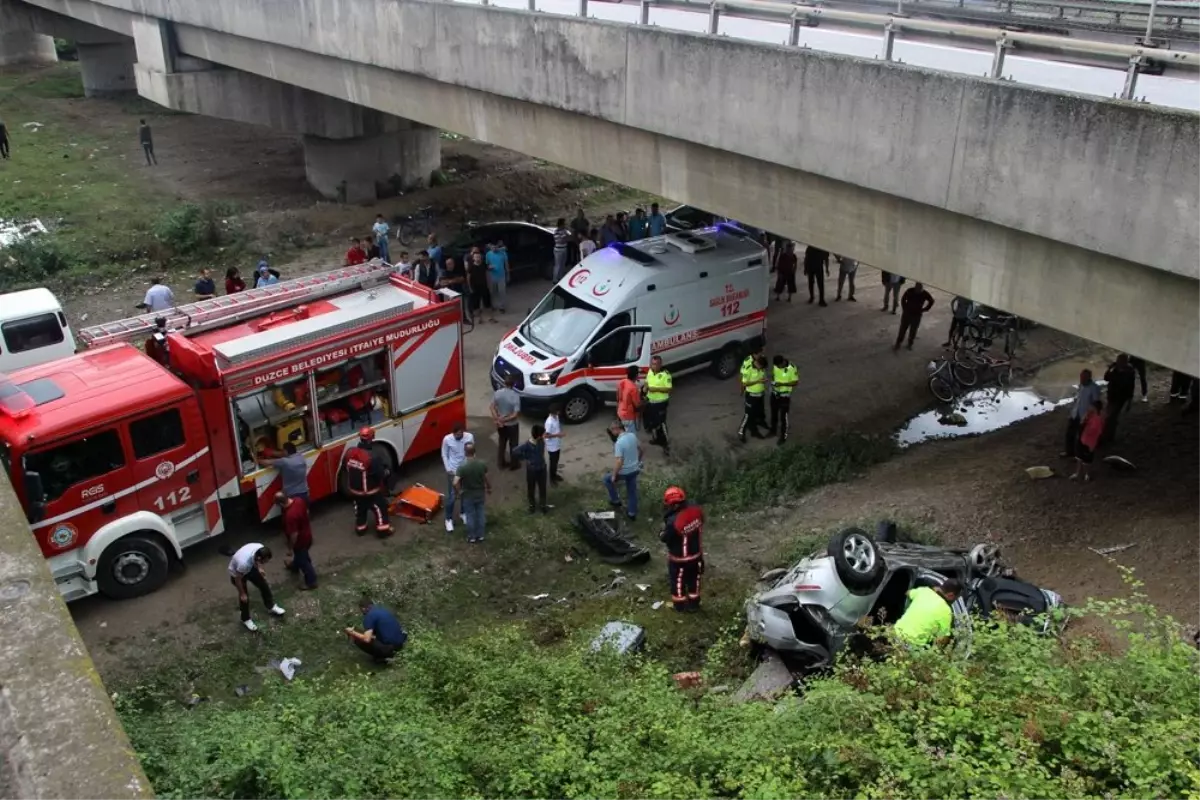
[
  {"x": 579, "y": 406},
  {"x": 131, "y": 567},
  {"x": 389, "y": 461}
]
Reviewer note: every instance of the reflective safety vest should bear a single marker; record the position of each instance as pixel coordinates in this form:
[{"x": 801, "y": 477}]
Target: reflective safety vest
[
  {"x": 782, "y": 379},
  {"x": 658, "y": 386},
  {"x": 754, "y": 374},
  {"x": 927, "y": 618}
]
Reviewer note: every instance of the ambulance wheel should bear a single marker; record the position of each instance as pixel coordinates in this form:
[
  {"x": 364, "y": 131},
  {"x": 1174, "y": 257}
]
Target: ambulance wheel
[
  {"x": 727, "y": 362},
  {"x": 132, "y": 566},
  {"x": 579, "y": 406}
]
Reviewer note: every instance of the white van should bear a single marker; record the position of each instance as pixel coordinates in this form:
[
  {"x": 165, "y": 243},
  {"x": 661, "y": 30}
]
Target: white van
[
  {"x": 33, "y": 329},
  {"x": 696, "y": 298}
]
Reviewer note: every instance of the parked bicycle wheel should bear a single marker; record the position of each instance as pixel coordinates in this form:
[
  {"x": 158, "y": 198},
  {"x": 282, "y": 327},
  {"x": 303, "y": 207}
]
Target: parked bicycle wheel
[
  {"x": 942, "y": 388},
  {"x": 1004, "y": 375},
  {"x": 406, "y": 233},
  {"x": 964, "y": 373}
]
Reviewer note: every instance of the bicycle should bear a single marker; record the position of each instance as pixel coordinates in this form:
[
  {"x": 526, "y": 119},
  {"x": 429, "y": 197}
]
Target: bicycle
[
  {"x": 980, "y": 361},
  {"x": 413, "y": 226},
  {"x": 947, "y": 377},
  {"x": 981, "y": 331}
]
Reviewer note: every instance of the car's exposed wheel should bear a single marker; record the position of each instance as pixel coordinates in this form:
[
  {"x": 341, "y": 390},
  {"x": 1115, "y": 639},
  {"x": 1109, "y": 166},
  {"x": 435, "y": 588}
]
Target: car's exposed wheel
[
  {"x": 887, "y": 531},
  {"x": 859, "y": 564},
  {"x": 727, "y": 362},
  {"x": 984, "y": 560},
  {"x": 132, "y": 566},
  {"x": 579, "y": 406}
]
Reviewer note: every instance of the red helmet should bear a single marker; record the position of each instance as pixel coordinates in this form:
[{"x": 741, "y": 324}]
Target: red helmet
[
  {"x": 367, "y": 434},
  {"x": 673, "y": 495}
]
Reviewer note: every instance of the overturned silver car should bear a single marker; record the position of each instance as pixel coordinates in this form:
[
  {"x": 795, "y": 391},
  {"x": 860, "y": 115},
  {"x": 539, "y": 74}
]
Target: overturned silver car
[{"x": 811, "y": 610}]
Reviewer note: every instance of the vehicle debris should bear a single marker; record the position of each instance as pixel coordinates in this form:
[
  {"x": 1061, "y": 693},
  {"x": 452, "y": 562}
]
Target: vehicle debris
[
  {"x": 1108, "y": 551},
  {"x": 623, "y": 637},
  {"x": 610, "y": 538}
]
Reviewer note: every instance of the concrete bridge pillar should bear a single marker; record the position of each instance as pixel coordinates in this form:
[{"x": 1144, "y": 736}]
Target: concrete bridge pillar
[
  {"x": 351, "y": 153},
  {"x": 361, "y": 169},
  {"x": 107, "y": 69},
  {"x": 26, "y": 47}
]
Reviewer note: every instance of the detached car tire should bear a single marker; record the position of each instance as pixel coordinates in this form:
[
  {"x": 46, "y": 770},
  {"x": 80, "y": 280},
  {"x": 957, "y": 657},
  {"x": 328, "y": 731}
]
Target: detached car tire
[
  {"x": 131, "y": 567},
  {"x": 860, "y": 565}
]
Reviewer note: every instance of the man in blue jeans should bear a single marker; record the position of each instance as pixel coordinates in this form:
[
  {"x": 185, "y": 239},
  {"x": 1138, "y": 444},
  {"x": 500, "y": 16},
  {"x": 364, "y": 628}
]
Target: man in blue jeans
[
  {"x": 628, "y": 465},
  {"x": 454, "y": 447},
  {"x": 471, "y": 482}
]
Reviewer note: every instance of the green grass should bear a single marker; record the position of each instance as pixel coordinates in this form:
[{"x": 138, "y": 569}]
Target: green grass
[{"x": 75, "y": 175}]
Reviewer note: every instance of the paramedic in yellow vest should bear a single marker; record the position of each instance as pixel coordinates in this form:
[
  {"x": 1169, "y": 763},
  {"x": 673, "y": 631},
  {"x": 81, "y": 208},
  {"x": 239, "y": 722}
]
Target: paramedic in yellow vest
[
  {"x": 658, "y": 395},
  {"x": 928, "y": 617},
  {"x": 784, "y": 378},
  {"x": 754, "y": 389}
]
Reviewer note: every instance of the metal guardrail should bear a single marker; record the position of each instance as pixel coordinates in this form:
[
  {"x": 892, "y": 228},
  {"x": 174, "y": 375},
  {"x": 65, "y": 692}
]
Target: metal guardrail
[{"x": 1135, "y": 58}]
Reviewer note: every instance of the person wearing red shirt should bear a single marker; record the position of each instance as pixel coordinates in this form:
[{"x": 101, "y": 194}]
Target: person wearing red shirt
[
  {"x": 629, "y": 400},
  {"x": 298, "y": 531},
  {"x": 1090, "y": 431},
  {"x": 233, "y": 281},
  {"x": 355, "y": 255}
]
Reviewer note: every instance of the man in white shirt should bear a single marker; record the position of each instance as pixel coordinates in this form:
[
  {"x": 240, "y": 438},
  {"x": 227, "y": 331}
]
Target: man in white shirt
[
  {"x": 454, "y": 453},
  {"x": 553, "y": 436},
  {"x": 159, "y": 296},
  {"x": 245, "y": 566}
]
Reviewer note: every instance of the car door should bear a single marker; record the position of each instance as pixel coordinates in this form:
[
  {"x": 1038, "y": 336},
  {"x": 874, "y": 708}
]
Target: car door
[
  {"x": 535, "y": 252},
  {"x": 171, "y": 462},
  {"x": 86, "y": 482},
  {"x": 609, "y": 357}
]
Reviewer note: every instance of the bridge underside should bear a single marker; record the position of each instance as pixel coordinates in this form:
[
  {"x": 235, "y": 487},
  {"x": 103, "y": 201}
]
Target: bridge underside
[{"x": 903, "y": 193}]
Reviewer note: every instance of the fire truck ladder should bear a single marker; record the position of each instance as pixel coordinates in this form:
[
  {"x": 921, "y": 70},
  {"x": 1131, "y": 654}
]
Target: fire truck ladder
[{"x": 218, "y": 312}]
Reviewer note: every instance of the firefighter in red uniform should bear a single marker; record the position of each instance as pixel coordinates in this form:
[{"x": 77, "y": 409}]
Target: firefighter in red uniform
[
  {"x": 367, "y": 478},
  {"x": 682, "y": 529}
]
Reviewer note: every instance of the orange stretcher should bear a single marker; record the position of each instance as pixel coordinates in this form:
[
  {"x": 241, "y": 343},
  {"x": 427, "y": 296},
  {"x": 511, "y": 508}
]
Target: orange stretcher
[{"x": 418, "y": 503}]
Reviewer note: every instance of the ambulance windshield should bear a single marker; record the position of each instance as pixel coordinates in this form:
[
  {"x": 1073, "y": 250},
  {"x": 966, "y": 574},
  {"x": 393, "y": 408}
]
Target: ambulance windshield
[{"x": 561, "y": 323}]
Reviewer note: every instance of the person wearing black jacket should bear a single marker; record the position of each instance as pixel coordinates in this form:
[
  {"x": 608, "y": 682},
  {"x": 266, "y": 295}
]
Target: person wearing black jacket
[
  {"x": 816, "y": 267},
  {"x": 913, "y": 305},
  {"x": 1122, "y": 378},
  {"x": 533, "y": 453}
]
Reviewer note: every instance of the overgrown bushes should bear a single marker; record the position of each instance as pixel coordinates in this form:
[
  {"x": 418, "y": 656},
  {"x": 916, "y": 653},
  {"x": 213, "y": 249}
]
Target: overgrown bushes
[
  {"x": 497, "y": 717},
  {"x": 192, "y": 229},
  {"x": 723, "y": 475},
  {"x": 31, "y": 260}
]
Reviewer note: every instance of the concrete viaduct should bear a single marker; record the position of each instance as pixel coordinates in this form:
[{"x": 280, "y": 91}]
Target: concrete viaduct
[{"x": 1078, "y": 212}]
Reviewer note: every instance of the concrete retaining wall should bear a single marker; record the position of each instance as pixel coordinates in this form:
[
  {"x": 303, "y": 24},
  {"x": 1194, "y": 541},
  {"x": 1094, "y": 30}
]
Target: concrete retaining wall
[{"x": 59, "y": 735}]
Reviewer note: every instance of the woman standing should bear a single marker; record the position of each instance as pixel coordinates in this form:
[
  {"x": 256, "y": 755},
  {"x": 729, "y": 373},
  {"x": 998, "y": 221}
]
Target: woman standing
[
  {"x": 1089, "y": 438},
  {"x": 233, "y": 281}
]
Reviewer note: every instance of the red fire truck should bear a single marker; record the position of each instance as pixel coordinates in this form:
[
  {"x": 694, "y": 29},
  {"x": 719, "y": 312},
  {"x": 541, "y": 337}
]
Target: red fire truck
[{"x": 124, "y": 456}]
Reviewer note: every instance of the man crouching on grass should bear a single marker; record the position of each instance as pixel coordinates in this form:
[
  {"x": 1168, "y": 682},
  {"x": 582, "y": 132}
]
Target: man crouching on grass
[{"x": 381, "y": 637}]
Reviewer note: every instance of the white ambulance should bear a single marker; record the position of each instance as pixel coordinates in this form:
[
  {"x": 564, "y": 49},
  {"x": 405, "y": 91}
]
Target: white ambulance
[{"x": 696, "y": 298}]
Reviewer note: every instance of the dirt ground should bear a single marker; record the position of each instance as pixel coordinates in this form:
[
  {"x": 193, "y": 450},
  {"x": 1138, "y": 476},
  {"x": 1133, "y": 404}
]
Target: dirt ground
[{"x": 970, "y": 489}]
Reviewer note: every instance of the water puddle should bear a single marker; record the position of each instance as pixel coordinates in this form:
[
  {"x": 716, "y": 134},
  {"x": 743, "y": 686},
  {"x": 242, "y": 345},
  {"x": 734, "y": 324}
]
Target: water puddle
[{"x": 990, "y": 409}]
